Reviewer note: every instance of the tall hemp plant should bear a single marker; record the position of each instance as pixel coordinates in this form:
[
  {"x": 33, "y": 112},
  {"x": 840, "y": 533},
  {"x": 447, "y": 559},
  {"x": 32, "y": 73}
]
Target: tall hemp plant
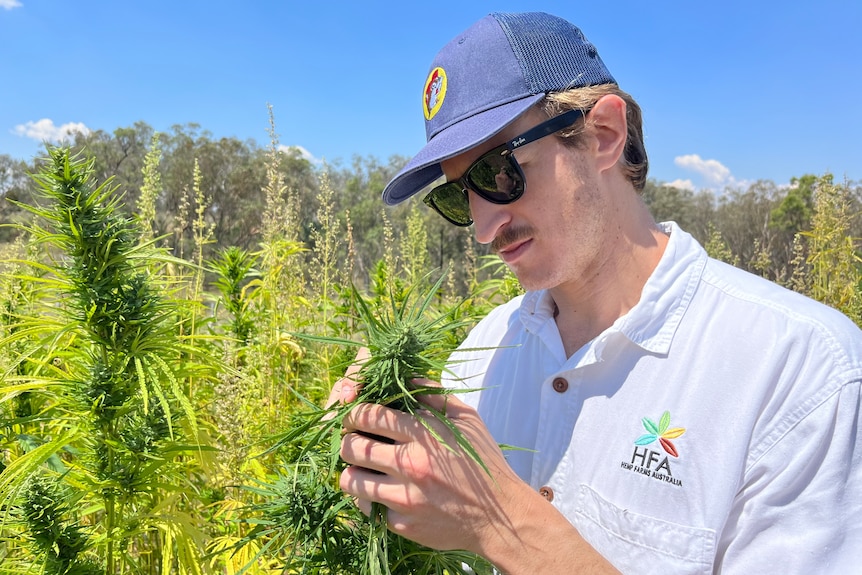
[
  {"x": 276, "y": 296},
  {"x": 150, "y": 189},
  {"x": 23, "y": 417},
  {"x": 833, "y": 256},
  {"x": 263, "y": 296},
  {"x": 105, "y": 489}
]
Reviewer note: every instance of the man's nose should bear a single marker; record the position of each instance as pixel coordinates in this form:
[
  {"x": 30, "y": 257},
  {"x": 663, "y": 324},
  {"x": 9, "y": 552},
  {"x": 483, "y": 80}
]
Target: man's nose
[{"x": 488, "y": 218}]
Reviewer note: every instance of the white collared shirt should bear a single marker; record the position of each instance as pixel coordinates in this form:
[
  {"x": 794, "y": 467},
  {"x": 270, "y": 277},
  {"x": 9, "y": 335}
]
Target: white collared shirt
[{"x": 712, "y": 428}]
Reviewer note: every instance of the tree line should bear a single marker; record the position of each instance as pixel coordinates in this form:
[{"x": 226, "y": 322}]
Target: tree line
[{"x": 752, "y": 227}]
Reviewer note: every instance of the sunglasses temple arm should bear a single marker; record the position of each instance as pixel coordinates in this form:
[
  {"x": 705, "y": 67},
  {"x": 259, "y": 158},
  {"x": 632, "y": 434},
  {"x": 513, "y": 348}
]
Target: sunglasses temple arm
[{"x": 555, "y": 124}]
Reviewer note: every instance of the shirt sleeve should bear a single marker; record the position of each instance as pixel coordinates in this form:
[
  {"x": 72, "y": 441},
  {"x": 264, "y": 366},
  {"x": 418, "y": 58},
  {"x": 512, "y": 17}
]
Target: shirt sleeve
[{"x": 799, "y": 507}]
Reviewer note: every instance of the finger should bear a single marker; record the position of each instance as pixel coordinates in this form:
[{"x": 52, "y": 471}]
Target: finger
[
  {"x": 362, "y": 355},
  {"x": 367, "y": 486},
  {"x": 335, "y": 393},
  {"x": 392, "y": 517},
  {"x": 372, "y": 453},
  {"x": 350, "y": 385},
  {"x": 425, "y": 382},
  {"x": 364, "y": 505},
  {"x": 445, "y": 403},
  {"x": 346, "y": 389},
  {"x": 374, "y": 419},
  {"x": 378, "y": 423}
]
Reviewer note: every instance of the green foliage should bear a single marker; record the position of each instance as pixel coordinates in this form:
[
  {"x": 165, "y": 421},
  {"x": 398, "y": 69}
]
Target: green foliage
[
  {"x": 235, "y": 269},
  {"x": 103, "y": 370},
  {"x": 717, "y": 248},
  {"x": 836, "y": 268},
  {"x": 793, "y": 213},
  {"x": 414, "y": 248},
  {"x": 151, "y": 188},
  {"x": 321, "y": 531},
  {"x": 692, "y": 211},
  {"x": 14, "y": 185},
  {"x": 58, "y": 544},
  {"x": 281, "y": 214}
]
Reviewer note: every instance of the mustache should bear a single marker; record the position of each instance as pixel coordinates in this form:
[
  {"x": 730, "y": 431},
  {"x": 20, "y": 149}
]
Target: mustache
[{"x": 509, "y": 236}]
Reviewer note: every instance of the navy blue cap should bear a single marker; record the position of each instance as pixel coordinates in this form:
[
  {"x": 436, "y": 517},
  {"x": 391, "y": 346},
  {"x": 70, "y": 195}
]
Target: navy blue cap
[{"x": 488, "y": 76}]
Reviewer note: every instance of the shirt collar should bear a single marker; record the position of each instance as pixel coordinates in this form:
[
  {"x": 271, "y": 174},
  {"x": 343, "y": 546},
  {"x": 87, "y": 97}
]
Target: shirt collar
[
  {"x": 665, "y": 298},
  {"x": 653, "y": 321}
]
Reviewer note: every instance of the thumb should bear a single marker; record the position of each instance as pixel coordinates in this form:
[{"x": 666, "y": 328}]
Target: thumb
[
  {"x": 362, "y": 355},
  {"x": 347, "y": 388}
]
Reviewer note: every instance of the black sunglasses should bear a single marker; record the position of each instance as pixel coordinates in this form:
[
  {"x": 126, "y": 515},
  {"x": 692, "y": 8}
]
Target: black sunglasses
[{"x": 495, "y": 176}]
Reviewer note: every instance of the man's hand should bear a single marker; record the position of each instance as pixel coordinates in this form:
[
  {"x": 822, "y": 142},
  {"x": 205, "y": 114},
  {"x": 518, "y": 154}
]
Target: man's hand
[
  {"x": 436, "y": 493},
  {"x": 438, "y": 496}
]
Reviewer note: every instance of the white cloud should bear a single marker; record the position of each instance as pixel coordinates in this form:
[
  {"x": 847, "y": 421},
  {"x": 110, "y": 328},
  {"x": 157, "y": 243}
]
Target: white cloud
[
  {"x": 45, "y": 130},
  {"x": 714, "y": 171},
  {"x": 682, "y": 185},
  {"x": 301, "y": 152},
  {"x": 714, "y": 175},
  {"x": 9, "y": 4}
]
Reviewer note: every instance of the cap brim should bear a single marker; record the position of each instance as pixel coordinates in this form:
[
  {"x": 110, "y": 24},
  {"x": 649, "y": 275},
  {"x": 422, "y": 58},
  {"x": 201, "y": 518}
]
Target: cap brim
[{"x": 424, "y": 168}]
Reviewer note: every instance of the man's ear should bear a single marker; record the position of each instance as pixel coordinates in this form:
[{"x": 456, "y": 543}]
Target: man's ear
[{"x": 608, "y": 127}]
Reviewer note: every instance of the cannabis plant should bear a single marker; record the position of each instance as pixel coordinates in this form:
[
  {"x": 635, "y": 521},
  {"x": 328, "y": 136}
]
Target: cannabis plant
[
  {"x": 836, "y": 268},
  {"x": 303, "y": 512},
  {"x": 59, "y": 544},
  {"x": 235, "y": 269},
  {"x": 105, "y": 358}
]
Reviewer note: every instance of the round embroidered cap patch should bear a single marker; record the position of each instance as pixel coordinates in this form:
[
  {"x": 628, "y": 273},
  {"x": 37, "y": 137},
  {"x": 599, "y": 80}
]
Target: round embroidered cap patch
[{"x": 435, "y": 92}]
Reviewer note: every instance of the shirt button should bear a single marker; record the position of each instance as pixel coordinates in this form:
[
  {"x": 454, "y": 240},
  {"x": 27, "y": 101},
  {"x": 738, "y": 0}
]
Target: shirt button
[
  {"x": 547, "y": 493},
  {"x": 560, "y": 385}
]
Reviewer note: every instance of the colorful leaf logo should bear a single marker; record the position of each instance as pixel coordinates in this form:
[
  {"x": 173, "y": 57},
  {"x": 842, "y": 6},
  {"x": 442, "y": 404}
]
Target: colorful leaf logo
[{"x": 661, "y": 433}]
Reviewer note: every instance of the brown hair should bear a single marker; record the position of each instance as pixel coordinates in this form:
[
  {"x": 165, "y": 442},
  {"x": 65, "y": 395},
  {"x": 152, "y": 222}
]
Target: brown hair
[{"x": 634, "y": 161}]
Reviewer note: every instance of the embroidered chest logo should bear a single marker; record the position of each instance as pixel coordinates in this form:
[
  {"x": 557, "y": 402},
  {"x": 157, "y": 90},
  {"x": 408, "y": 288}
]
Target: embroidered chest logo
[{"x": 646, "y": 460}]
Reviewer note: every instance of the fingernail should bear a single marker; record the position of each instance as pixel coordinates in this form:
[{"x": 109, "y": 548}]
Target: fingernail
[{"x": 346, "y": 391}]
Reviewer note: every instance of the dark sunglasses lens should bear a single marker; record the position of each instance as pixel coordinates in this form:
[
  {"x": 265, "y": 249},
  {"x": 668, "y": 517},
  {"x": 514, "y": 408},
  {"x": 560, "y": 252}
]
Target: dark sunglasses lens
[
  {"x": 451, "y": 202},
  {"x": 496, "y": 178}
]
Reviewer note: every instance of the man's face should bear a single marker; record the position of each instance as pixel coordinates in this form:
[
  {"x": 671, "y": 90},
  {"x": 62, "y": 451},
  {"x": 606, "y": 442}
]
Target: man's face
[{"x": 553, "y": 234}]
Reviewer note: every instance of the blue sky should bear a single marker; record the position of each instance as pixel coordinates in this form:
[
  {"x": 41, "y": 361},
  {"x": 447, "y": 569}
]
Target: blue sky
[{"x": 732, "y": 91}]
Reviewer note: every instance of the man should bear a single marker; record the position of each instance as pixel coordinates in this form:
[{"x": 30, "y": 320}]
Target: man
[{"x": 675, "y": 414}]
